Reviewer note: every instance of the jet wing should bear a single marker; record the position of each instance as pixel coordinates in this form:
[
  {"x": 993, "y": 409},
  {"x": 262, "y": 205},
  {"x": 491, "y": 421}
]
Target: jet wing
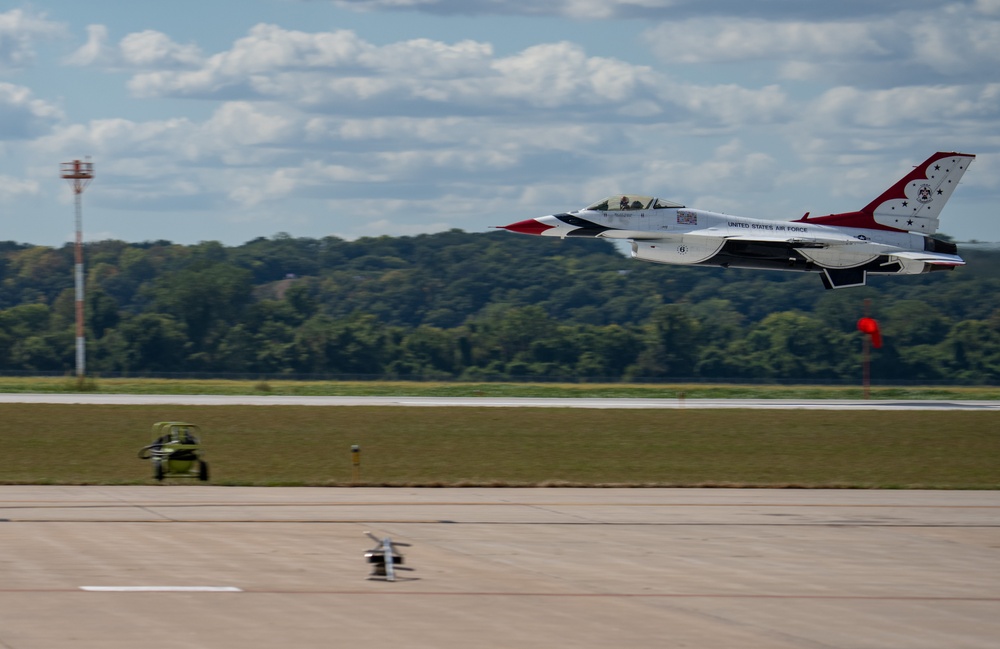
[
  {"x": 827, "y": 240},
  {"x": 823, "y": 241}
]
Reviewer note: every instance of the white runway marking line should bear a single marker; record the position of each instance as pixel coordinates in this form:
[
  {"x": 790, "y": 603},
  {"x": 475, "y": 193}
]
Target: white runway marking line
[{"x": 162, "y": 589}]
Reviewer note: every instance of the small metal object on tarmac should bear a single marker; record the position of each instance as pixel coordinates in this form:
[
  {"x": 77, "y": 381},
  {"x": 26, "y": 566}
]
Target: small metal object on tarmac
[{"x": 384, "y": 558}]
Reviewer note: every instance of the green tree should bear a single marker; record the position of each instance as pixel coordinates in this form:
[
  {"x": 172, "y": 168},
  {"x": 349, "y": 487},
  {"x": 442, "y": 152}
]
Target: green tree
[
  {"x": 157, "y": 343},
  {"x": 975, "y": 352},
  {"x": 205, "y": 301},
  {"x": 672, "y": 344}
]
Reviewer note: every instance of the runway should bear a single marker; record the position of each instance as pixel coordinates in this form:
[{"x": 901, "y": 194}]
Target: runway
[
  {"x": 206, "y": 566},
  {"x": 492, "y": 402}
]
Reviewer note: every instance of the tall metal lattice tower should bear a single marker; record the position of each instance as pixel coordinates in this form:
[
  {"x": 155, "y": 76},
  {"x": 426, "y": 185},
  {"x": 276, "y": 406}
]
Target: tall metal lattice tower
[{"x": 79, "y": 174}]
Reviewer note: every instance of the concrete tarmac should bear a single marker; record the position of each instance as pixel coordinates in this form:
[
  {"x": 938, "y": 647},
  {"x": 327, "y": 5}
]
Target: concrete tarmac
[{"x": 184, "y": 566}]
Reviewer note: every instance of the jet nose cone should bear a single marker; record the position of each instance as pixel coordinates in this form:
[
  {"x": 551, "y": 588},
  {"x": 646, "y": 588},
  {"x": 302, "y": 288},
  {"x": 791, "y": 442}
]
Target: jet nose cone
[{"x": 527, "y": 226}]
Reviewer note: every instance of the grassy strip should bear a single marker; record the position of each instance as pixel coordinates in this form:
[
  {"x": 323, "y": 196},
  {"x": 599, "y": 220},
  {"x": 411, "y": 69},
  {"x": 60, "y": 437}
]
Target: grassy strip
[
  {"x": 276, "y": 445},
  {"x": 457, "y": 389}
]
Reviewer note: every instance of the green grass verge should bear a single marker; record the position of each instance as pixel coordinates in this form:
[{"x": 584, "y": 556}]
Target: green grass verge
[
  {"x": 459, "y": 389},
  {"x": 277, "y": 445}
]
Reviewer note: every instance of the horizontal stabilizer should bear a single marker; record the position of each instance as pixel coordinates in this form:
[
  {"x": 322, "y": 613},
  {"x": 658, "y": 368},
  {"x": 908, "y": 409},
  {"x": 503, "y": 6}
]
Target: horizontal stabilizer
[{"x": 936, "y": 258}]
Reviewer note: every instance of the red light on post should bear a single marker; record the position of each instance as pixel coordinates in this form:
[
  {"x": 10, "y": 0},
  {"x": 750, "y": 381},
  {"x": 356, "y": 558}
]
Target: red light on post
[{"x": 869, "y": 326}]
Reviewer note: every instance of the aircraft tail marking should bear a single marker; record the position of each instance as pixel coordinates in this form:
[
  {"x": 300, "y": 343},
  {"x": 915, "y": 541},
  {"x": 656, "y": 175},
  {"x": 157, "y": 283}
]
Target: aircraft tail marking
[{"x": 914, "y": 203}]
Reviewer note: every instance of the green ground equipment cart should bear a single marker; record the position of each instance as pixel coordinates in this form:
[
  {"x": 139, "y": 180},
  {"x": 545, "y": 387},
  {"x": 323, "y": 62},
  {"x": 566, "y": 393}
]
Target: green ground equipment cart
[{"x": 176, "y": 451}]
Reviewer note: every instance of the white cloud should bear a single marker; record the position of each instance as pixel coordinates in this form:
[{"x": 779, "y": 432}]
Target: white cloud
[
  {"x": 734, "y": 105},
  {"x": 251, "y": 189},
  {"x": 23, "y": 116},
  {"x": 988, "y": 7},
  {"x": 237, "y": 124},
  {"x": 151, "y": 48},
  {"x": 907, "y": 107},
  {"x": 724, "y": 40},
  {"x": 647, "y": 9},
  {"x": 570, "y": 8},
  {"x": 237, "y": 133},
  {"x": 731, "y": 171},
  {"x": 244, "y": 69},
  {"x": 427, "y": 58},
  {"x": 138, "y": 148},
  {"x": 335, "y": 131},
  {"x": 950, "y": 45},
  {"x": 147, "y": 49},
  {"x": 95, "y": 51},
  {"x": 956, "y": 43},
  {"x": 19, "y": 30},
  {"x": 13, "y": 188},
  {"x": 339, "y": 72},
  {"x": 561, "y": 74}
]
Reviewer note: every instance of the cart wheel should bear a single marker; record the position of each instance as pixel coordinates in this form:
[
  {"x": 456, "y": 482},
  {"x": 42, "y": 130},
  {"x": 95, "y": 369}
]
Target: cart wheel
[
  {"x": 158, "y": 469},
  {"x": 203, "y": 471}
]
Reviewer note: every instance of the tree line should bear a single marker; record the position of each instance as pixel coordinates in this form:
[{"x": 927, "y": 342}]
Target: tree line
[{"x": 478, "y": 306}]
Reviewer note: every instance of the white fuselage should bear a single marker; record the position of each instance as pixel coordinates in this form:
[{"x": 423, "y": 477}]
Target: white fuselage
[
  {"x": 690, "y": 236},
  {"x": 889, "y": 236}
]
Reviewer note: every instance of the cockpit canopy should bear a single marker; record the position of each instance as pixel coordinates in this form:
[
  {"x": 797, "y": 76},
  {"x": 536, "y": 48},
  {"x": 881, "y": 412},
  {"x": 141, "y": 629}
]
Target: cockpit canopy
[{"x": 623, "y": 202}]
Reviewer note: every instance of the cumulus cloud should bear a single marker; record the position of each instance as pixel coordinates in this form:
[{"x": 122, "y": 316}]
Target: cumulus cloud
[
  {"x": 19, "y": 32},
  {"x": 251, "y": 67},
  {"x": 338, "y": 72},
  {"x": 14, "y": 188},
  {"x": 327, "y": 113},
  {"x": 649, "y": 9},
  {"x": 95, "y": 51},
  {"x": 947, "y": 46},
  {"x": 423, "y": 133},
  {"x": 138, "y": 148},
  {"x": 242, "y": 124},
  {"x": 22, "y": 116},
  {"x": 988, "y": 7},
  {"x": 580, "y": 9},
  {"x": 730, "y": 170},
  {"x": 919, "y": 106},
  {"x": 853, "y": 41},
  {"x": 147, "y": 49},
  {"x": 151, "y": 48},
  {"x": 723, "y": 40},
  {"x": 575, "y": 8},
  {"x": 733, "y": 105},
  {"x": 562, "y": 73}
]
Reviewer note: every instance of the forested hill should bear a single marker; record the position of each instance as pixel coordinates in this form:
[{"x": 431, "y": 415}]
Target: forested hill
[{"x": 478, "y": 305}]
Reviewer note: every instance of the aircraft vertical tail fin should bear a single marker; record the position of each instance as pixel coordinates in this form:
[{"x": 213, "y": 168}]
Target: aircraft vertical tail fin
[{"x": 915, "y": 202}]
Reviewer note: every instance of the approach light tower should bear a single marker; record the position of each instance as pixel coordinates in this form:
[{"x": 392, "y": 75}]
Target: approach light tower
[{"x": 79, "y": 174}]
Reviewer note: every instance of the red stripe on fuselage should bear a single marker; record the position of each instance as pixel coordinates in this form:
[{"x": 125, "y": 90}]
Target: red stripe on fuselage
[{"x": 849, "y": 220}]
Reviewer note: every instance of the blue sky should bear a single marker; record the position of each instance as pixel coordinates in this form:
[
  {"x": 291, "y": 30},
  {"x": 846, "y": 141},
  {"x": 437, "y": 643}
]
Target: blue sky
[{"x": 230, "y": 120}]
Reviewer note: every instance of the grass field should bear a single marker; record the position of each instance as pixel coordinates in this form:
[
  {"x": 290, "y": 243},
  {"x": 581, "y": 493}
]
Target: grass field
[
  {"x": 277, "y": 445},
  {"x": 460, "y": 389}
]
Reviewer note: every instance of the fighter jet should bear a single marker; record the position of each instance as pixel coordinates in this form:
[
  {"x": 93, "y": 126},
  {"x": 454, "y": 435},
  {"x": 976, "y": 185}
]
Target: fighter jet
[{"x": 889, "y": 236}]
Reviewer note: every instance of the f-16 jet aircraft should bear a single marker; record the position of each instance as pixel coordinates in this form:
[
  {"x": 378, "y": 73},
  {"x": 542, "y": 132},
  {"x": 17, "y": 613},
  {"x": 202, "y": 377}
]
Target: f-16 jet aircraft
[{"x": 889, "y": 236}]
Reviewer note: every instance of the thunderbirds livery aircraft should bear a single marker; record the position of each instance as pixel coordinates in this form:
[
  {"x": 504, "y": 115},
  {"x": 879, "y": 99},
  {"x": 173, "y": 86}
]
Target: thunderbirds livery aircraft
[{"x": 889, "y": 236}]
